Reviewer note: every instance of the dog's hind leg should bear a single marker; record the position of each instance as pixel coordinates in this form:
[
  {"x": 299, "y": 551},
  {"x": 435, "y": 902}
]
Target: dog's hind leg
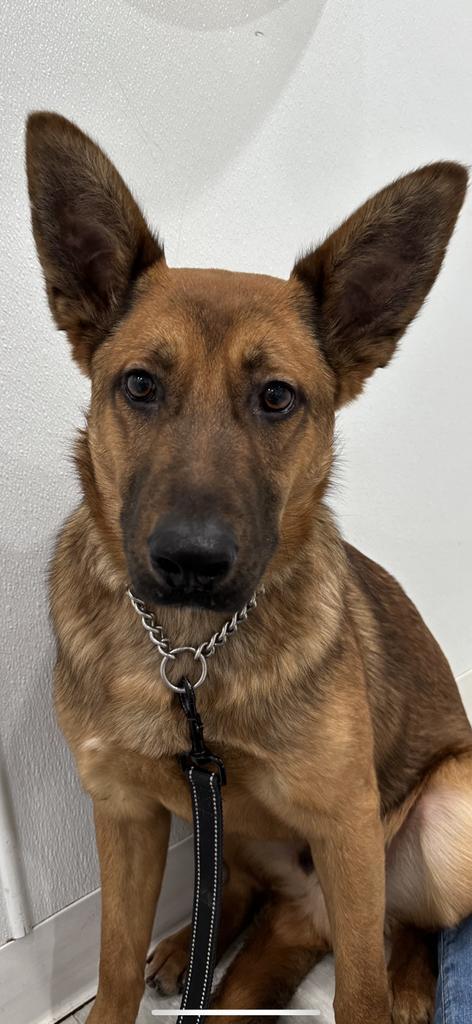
[
  {"x": 429, "y": 883},
  {"x": 429, "y": 861},
  {"x": 283, "y": 944}
]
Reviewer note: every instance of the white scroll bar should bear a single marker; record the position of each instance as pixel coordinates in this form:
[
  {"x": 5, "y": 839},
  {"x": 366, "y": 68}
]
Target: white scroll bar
[{"x": 236, "y": 1013}]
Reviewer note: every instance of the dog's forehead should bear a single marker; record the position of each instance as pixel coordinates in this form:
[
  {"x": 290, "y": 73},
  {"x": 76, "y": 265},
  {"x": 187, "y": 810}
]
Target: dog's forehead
[
  {"x": 226, "y": 290},
  {"x": 180, "y": 313},
  {"x": 212, "y": 302}
]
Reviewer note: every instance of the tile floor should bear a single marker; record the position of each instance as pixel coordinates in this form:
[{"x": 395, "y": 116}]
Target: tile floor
[{"x": 316, "y": 992}]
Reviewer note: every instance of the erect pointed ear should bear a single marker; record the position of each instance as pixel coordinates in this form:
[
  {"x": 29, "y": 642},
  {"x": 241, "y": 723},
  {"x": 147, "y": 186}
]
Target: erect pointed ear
[
  {"x": 91, "y": 237},
  {"x": 368, "y": 280}
]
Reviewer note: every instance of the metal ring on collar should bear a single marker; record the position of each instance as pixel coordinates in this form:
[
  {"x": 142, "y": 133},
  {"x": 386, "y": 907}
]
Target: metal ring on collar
[{"x": 171, "y": 656}]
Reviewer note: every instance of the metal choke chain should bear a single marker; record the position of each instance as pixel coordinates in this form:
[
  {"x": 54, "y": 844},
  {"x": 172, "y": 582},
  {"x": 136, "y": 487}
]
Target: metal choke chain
[{"x": 201, "y": 653}]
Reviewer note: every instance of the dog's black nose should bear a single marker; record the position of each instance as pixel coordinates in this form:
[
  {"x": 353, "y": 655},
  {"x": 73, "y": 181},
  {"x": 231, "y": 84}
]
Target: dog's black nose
[{"x": 192, "y": 554}]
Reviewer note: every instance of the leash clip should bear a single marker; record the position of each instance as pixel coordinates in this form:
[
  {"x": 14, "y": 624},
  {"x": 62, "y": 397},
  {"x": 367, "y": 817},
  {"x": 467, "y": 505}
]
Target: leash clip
[{"x": 199, "y": 754}]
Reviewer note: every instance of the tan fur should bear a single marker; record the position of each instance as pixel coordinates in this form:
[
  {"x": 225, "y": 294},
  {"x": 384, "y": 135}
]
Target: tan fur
[{"x": 336, "y": 713}]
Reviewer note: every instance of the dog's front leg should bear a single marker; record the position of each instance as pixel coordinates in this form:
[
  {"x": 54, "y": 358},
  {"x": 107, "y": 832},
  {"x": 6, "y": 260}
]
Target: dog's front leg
[
  {"x": 132, "y": 856},
  {"x": 349, "y": 860}
]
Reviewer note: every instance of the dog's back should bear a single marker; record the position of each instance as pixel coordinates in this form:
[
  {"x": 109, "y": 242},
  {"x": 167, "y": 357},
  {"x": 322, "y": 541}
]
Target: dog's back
[{"x": 416, "y": 707}]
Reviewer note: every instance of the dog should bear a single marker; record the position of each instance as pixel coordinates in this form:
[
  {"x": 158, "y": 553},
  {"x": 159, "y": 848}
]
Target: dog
[{"x": 204, "y": 468}]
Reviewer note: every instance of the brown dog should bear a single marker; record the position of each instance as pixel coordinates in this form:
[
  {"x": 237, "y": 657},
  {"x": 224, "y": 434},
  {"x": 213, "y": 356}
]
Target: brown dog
[{"x": 204, "y": 468}]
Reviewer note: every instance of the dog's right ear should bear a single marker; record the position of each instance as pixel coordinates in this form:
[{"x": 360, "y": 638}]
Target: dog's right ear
[
  {"x": 367, "y": 281},
  {"x": 92, "y": 239}
]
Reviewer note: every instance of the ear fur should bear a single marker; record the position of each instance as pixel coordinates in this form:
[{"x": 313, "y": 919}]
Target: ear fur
[
  {"x": 368, "y": 280},
  {"x": 92, "y": 239}
]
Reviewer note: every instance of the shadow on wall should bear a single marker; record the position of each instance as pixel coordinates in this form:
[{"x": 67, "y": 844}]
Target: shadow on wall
[{"x": 221, "y": 67}]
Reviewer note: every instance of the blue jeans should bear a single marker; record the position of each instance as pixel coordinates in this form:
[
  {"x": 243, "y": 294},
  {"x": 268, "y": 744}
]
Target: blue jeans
[{"x": 454, "y": 992}]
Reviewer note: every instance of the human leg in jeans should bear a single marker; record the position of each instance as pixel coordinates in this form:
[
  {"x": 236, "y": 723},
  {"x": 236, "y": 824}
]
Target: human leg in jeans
[{"x": 454, "y": 991}]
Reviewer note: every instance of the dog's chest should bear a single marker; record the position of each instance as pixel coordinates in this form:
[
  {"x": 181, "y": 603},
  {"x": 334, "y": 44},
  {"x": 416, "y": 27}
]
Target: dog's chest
[
  {"x": 136, "y": 711},
  {"x": 132, "y": 785},
  {"x": 131, "y": 760},
  {"x": 128, "y": 750}
]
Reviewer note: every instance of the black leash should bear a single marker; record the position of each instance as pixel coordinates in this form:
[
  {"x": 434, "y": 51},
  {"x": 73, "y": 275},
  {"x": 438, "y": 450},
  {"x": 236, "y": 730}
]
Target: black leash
[{"x": 206, "y": 775}]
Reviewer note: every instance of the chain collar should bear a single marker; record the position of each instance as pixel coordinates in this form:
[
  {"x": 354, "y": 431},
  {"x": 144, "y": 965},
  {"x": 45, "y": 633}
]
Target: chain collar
[{"x": 201, "y": 653}]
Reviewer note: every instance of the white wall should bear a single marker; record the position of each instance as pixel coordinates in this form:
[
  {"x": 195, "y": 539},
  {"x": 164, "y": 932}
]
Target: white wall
[{"x": 246, "y": 128}]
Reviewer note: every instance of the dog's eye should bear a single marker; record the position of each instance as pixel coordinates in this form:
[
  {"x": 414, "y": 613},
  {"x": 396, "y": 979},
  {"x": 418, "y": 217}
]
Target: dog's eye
[
  {"x": 140, "y": 386},
  {"x": 277, "y": 397}
]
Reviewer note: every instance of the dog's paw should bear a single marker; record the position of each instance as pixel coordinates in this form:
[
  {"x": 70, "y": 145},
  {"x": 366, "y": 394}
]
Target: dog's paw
[
  {"x": 412, "y": 1006},
  {"x": 412, "y": 972},
  {"x": 166, "y": 967}
]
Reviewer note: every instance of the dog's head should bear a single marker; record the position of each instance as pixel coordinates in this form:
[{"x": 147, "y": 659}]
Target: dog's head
[{"x": 213, "y": 393}]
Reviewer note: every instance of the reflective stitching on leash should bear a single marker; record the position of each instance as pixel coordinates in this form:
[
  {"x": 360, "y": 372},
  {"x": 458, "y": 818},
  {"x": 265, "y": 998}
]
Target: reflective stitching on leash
[
  {"x": 215, "y": 881},
  {"x": 197, "y": 896}
]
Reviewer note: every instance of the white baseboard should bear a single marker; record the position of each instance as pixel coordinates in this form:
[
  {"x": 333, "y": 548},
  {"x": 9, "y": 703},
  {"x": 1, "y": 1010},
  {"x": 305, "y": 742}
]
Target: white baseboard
[{"x": 49, "y": 973}]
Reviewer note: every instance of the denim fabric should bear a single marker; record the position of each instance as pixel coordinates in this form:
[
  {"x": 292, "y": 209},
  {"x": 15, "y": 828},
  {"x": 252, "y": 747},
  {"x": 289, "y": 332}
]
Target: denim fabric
[{"x": 454, "y": 992}]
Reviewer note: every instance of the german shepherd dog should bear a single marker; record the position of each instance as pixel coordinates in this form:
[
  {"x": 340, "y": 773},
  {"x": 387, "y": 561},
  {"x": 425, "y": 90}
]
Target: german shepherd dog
[{"x": 204, "y": 467}]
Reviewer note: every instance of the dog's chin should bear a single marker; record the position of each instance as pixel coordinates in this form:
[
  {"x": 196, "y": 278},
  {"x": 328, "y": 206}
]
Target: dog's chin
[
  {"x": 201, "y": 599},
  {"x": 225, "y": 601}
]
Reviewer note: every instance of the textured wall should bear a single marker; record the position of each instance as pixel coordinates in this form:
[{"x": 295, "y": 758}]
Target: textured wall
[
  {"x": 3, "y": 920},
  {"x": 246, "y": 129}
]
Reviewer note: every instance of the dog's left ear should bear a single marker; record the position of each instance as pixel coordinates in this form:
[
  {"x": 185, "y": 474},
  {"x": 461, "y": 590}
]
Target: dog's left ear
[
  {"x": 92, "y": 239},
  {"x": 368, "y": 280}
]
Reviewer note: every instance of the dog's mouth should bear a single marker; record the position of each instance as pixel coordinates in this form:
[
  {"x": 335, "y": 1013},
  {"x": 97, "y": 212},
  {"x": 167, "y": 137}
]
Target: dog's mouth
[{"x": 225, "y": 600}]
